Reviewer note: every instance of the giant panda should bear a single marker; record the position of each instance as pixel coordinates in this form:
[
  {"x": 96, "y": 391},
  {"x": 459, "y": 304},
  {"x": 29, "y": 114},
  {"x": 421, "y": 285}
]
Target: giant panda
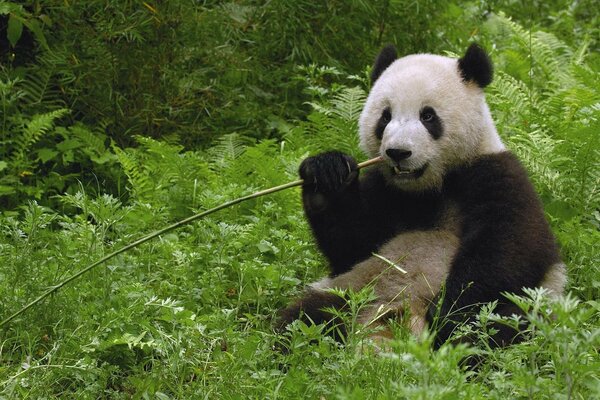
[{"x": 447, "y": 222}]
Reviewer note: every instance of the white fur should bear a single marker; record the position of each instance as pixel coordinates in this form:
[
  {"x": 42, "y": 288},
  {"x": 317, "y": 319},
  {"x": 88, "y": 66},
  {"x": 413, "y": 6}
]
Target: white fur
[
  {"x": 406, "y": 86},
  {"x": 555, "y": 279},
  {"x": 424, "y": 255}
]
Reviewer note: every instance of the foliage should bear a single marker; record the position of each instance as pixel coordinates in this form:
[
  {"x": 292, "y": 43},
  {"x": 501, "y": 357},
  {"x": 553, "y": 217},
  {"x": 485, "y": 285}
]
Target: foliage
[
  {"x": 39, "y": 158},
  {"x": 16, "y": 19},
  {"x": 555, "y": 134},
  {"x": 102, "y": 109}
]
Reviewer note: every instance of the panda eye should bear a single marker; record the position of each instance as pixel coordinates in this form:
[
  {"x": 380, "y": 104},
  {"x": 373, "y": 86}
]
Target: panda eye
[
  {"x": 427, "y": 114},
  {"x": 384, "y": 120},
  {"x": 386, "y": 116}
]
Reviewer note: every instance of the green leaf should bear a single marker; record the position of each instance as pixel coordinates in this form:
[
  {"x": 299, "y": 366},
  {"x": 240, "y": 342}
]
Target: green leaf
[
  {"x": 7, "y": 8},
  {"x": 5, "y": 190},
  {"x": 46, "y": 154},
  {"x": 14, "y": 30},
  {"x": 102, "y": 159},
  {"x": 3, "y": 165},
  {"x": 68, "y": 144},
  {"x": 34, "y": 26},
  {"x": 267, "y": 247},
  {"x": 561, "y": 209}
]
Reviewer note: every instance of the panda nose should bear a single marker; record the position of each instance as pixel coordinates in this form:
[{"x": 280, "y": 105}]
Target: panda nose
[{"x": 398, "y": 154}]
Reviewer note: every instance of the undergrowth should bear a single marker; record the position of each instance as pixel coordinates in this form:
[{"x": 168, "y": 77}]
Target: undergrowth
[{"x": 189, "y": 315}]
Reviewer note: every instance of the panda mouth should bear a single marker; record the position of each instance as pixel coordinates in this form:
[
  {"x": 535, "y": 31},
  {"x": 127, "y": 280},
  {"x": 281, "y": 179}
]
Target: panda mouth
[{"x": 408, "y": 173}]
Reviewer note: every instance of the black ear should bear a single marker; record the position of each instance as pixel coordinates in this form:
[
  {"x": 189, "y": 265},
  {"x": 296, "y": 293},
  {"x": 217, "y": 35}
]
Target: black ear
[
  {"x": 387, "y": 56},
  {"x": 476, "y": 66}
]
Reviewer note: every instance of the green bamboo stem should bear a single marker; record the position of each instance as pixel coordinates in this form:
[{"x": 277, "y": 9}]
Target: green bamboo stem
[{"x": 160, "y": 232}]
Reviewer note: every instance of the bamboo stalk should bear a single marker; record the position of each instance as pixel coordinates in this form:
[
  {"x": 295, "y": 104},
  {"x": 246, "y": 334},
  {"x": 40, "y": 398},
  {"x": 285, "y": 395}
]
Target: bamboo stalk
[{"x": 160, "y": 232}]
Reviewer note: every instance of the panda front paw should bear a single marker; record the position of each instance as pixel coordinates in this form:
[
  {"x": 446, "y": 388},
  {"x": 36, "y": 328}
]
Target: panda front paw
[{"x": 328, "y": 173}]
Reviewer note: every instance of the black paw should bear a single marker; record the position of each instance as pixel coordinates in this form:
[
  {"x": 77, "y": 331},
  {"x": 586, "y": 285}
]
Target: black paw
[
  {"x": 329, "y": 172},
  {"x": 314, "y": 308}
]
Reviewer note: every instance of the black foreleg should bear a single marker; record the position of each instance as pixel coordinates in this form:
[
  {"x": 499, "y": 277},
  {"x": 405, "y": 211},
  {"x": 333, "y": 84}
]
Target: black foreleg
[{"x": 314, "y": 307}]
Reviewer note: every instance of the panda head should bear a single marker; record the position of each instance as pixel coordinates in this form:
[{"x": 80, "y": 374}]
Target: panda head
[{"x": 427, "y": 114}]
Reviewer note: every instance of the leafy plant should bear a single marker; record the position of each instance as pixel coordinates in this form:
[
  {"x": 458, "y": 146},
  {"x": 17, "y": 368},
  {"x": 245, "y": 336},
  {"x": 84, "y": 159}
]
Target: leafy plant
[
  {"x": 111, "y": 121},
  {"x": 18, "y": 18}
]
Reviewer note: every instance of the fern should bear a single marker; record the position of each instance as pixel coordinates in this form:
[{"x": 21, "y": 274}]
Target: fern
[
  {"x": 37, "y": 88},
  {"x": 509, "y": 93},
  {"x": 163, "y": 157},
  {"x": 34, "y": 129},
  {"x": 348, "y": 103},
  {"x": 332, "y": 125},
  {"x": 539, "y": 152},
  {"x": 227, "y": 148},
  {"x": 551, "y": 117},
  {"x": 549, "y": 57},
  {"x": 138, "y": 178},
  {"x": 43, "y": 83},
  {"x": 93, "y": 143},
  {"x": 159, "y": 174},
  {"x": 259, "y": 166}
]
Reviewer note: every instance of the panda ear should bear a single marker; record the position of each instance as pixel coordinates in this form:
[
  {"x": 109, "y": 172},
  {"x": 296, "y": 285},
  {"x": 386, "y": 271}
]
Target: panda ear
[
  {"x": 387, "y": 56},
  {"x": 476, "y": 66}
]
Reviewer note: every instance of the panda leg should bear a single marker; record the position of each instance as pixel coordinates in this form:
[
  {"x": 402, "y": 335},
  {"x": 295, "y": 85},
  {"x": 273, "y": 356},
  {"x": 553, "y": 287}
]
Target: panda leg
[
  {"x": 505, "y": 334},
  {"x": 508, "y": 335},
  {"x": 313, "y": 307},
  {"x": 315, "y": 304}
]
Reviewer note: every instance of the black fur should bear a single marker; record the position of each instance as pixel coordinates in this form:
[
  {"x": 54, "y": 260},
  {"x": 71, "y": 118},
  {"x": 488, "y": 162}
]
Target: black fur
[
  {"x": 385, "y": 58},
  {"x": 384, "y": 120},
  {"x": 476, "y": 66},
  {"x": 311, "y": 308},
  {"x": 352, "y": 223},
  {"x": 328, "y": 174},
  {"x": 505, "y": 241},
  {"x": 432, "y": 122}
]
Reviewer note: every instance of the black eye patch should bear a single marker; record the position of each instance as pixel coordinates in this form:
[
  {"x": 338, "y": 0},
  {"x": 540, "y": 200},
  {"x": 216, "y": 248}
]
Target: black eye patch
[
  {"x": 431, "y": 122},
  {"x": 386, "y": 117}
]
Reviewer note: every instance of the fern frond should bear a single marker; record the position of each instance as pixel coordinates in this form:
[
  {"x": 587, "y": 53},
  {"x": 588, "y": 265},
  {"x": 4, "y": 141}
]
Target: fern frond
[
  {"x": 139, "y": 180},
  {"x": 509, "y": 94},
  {"x": 226, "y": 148},
  {"x": 94, "y": 143},
  {"x": 35, "y": 87},
  {"x": 538, "y": 151},
  {"x": 548, "y": 54},
  {"x": 37, "y": 126},
  {"x": 158, "y": 147},
  {"x": 42, "y": 83},
  {"x": 348, "y": 103},
  {"x": 160, "y": 156}
]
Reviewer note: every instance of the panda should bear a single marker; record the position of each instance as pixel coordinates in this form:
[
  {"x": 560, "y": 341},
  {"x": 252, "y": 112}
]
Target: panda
[{"x": 447, "y": 222}]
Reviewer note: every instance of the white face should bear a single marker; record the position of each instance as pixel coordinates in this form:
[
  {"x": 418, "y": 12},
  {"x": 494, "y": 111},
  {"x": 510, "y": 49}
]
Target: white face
[{"x": 423, "y": 119}]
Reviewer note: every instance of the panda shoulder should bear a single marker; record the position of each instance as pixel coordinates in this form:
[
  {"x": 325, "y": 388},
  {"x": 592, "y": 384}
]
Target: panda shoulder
[{"x": 493, "y": 176}]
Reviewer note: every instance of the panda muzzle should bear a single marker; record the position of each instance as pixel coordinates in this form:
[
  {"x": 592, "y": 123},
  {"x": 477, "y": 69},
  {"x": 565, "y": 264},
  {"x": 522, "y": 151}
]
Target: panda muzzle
[{"x": 404, "y": 172}]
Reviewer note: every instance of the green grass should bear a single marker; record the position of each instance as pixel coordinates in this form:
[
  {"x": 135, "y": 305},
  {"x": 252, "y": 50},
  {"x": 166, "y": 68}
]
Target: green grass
[{"x": 189, "y": 314}]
